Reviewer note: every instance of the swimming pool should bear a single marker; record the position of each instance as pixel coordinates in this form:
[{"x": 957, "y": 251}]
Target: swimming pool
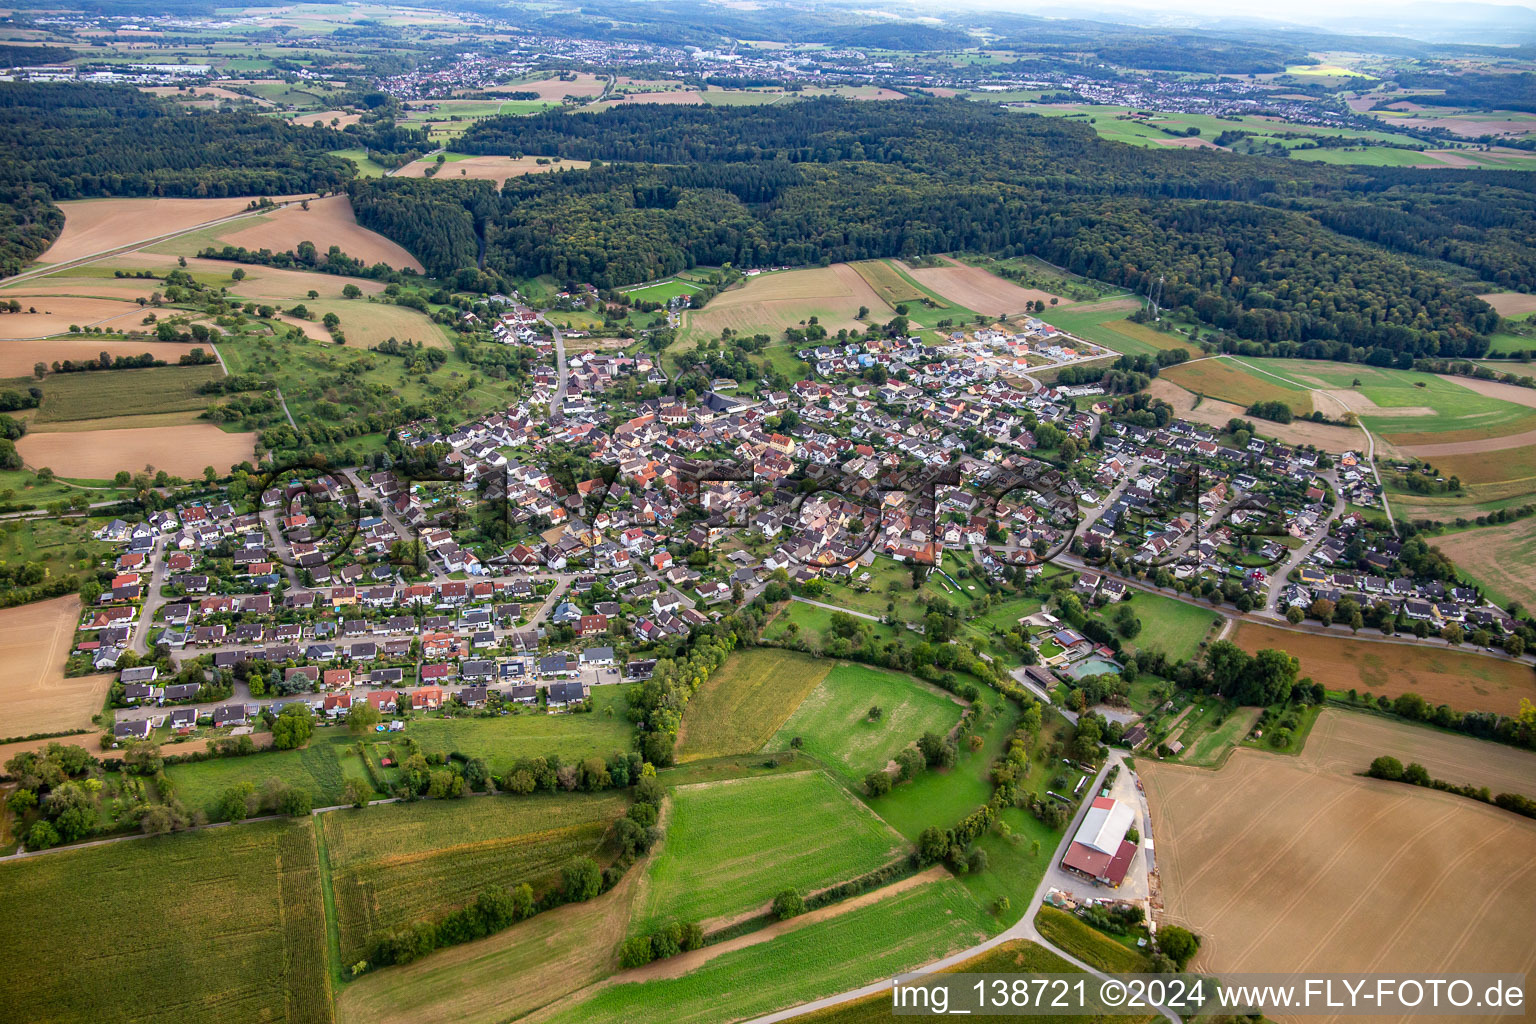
[{"x": 1093, "y": 667}]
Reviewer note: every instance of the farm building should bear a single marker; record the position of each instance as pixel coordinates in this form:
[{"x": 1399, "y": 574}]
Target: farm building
[{"x": 1100, "y": 850}]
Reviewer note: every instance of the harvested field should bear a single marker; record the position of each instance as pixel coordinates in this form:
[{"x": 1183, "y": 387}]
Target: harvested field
[
  {"x": 324, "y": 118},
  {"x": 490, "y": 168},
  {"x": 740, "y": 707},
  {"x": 397, "y": 865},
  {"x": 670, "y": 97},
  {"x": 269, "y": 283},
  {"x": 368, "y": 323},
  {"x": 35, "y": 640},
  {"x": 1465, "y": 681},
  {"x": 730, "y": 846},
  {"x": 773, "y": 302},
  {"x": 1228, "y": 381},
  {"x": 1214, "y": 413},
  {"x": 1497, "y": 558},
  {"x": 1281, "y": 865},
  {"x": 887, "y": 281},
  {"x": 585, "y": 86},
  {"x": 1345, "y": 743},
  {"x": 99, "y": 454},
  {"x": 96, "y": 225},
  {"x": 976, "y": 289},
  {"x": 1510, "y": 303},
  {"x": 231, "y": 918},
  {"x": 18, "y": 357},
  {"x": 57, "y": 313},
  {"x": 213, "y": 91},
  {"x": 327, "y": 222},
  {"x": 1189, "y": 143}
]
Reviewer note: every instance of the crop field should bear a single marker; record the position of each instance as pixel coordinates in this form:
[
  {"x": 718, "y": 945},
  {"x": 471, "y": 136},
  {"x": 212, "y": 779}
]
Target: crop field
[
  {"x": 909, "y": 928},
  {"x": 222, "y": 925},
  {"x": 1174, "y": 627},
  {"x": 35, "y": 640},
  {"x": 1345, "y": 742},
  {"x": 83, "y": 396},
  {"x": 1231, "y": 381},
  {"x": 490, "y": 168},
  {"x": 730, "y": 846},
  {"x": 1282, "y": 866},
  {"x": 1465, "y": 681},
  {"x": 97, "y": 225},
  {"x": 772, "y": 302},
  {"x": 57, "y": 313},
  {"x": 1215, "y": 413},
  {"x": 270, "y": 283},
  {"x": 1497, "y": 558},
  {"x": 887, "y": 281},
  {"x": 1088, "y": 944},
  {"x": 316, "y": 767},
  {"x": 1510, "y": 303},
  {"x": 502, "y": 741},
  {"x": 398, "y": 864},
  {"x": 833, "y": 722},
  {"x": 1139, "y": 339},
  {"x": 327, "y": 222},
  {"x": 585, "y": 86},
  {"x": 976, "y": 289},
  {"x": 98, "y": 454},
  {"x": 740, "y": 707},
  {"x": 503, "y": 976}
]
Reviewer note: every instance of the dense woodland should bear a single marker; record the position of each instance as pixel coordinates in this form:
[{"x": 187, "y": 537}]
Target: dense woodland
[{"x": 1309, "y": 260}]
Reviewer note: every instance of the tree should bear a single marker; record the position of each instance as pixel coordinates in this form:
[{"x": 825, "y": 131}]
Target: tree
[
  {"x": 1386, "y": 767},
  {"x": 295, "y": 802},
  {"x": 350, "y": 291},
  {"x": 238, "y": 274},
  {"x": 788, "y": 904},
  {"x": 237, "y": 802},
  {"x": 1179, "y": 944},
  {"x": 877, "y": 783},
  {"x": 1294, "y": 615},
  {"x": 932, "y": 845},
  {"x": 583, "y": 880},
  {"x": 362, "y": 718},
  {"x": 293, "y": 727},
  {"x": 357, "y": 792}
]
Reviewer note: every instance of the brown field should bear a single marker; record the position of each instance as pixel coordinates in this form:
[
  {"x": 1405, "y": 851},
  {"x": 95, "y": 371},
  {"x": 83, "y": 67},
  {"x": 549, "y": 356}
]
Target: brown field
[
  {"x": 55, "y": 314},
  {"x": 1189, "y": 143},
  {"x": 1102, "y": 306},
  {"x": 1219, "y": 378},
  {"x": 324, "y": 118},
  {"x": 1464, "y": 680},
  {"x": 1510, "y": 303},
  {"x": 1345, "y": 743},
  {"x": 1215, "y": 413},
  {"x": 1286, "y": 864},
  {"x": 97, "y": 225},
  {"x": 327, "y": 222},
  {"x": 489, "y": 168},
  {"x": 213, "y": 91},
  {"x": 976, "y": 289},
  {"x": 98, "y": 454},
  {"x": 17, "y": 357},
  {"x": 670, "y": 97},
  {"x": 1498, "y": 558},
  {"x": 34, "y": 644},
  {"x": 775, "y": 301},
  {"x": 72, "y": 282},
  {"x": 585, "y": 86}
]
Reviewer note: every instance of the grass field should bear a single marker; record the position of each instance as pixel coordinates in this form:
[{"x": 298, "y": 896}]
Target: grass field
[
  {"x": 1465, "y": 681},
  {"x": 908, "y": 929},
  {"x": 502, "y": 741},
  {"x": 731, "y": 846},
  {"x": 1174, "y": 627},
  {"x": 398, "y": 864},
  {"x": 155, "y": 389},
  {"x": 1282, "y": 863},
  {"x": 1230, "y": 381},
  {"x": 317, "y": 768},
  {"x": 742, "y": 705},
  {"x": 222, "y": 925},
  {"x": 663, "y": 292},
  {"x": 1497, "y": 558},
  {"x": 833, "y": 722},
  {"x": 366, "y": 166},
  {"x": 1087, "y": 943}
]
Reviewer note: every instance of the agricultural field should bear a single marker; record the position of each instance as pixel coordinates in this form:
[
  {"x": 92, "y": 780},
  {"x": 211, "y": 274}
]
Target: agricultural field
[
  {"x": 1344, "y": 742},
  {"x": 974, "y": 288},
  {"x": 1497, "y": 558},
  {"x": 741, "y": 706},
  {"x": 731, "y": 846},
  {"x": 221, "y": 925},
  {"x": 1215, "y": 413},
  {"x": 98, "y": 454},
  {"x": 1229, "y": 380},
  {"x": 1282, "y": 865},
  {"x": 1465, "y": 681},
  {"x": 56, "y": 314},
  {"x": 93, "y": 226},
  {"x": 88, "y": 395},
  {"x": 581, "y": 86},
  {"x": 327, "y": 222},
  {"x": 366, "y": 324},
  {"x": 892, "y": 285},
  {"x": 1174, "y": 627},
  {"x": 17, "y": 358},
  {"x": 317, "y": 767},
  {"x": 397, "y": 864},
  {"x": 35, "y": 640},
  {"x": 814, "y": 955},
  {"x": 834, "y": 725},
  {"x": 489, "y": 168},
  {"x": 771, "y": 302},
  {"x": 1087, "y": 943}
]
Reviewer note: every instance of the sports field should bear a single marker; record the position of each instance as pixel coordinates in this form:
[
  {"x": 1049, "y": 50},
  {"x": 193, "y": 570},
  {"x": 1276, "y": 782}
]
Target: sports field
[
  {"x": 731, "y": 846},
  {"x": 218, "y": 925},
  {"x": 1497, "y": 558},
  {"x": 35, "y": 640},
  {"x": 772, "y": 302},
  {"x": 741, "y": 706},
  {"x": 1231, "y": 381},
  {"x": 395, "y": 865},
  {"x": 1465, "y": 681},
  {"x": 1281, "y": 864},
  {"x": 834, "y": 723}
]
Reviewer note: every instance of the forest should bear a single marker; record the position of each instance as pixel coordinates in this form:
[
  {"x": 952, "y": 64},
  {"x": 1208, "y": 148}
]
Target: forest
[{"x": 1315, "y": 260}]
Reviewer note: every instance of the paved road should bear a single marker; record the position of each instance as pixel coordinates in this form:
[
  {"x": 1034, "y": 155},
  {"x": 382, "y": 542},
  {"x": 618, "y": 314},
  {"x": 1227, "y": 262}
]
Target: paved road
[
  {"x": 152, "y": 600},
  {"x": 563, "y": 385},
  {"x": 1277, "y": 581}
]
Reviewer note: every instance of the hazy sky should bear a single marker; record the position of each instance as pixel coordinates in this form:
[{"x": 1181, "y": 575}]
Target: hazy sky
[{"x": 1290, "y": 11}]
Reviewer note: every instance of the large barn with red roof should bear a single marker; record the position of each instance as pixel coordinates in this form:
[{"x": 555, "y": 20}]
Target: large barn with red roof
[{"x": 1100, "y": 850}]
